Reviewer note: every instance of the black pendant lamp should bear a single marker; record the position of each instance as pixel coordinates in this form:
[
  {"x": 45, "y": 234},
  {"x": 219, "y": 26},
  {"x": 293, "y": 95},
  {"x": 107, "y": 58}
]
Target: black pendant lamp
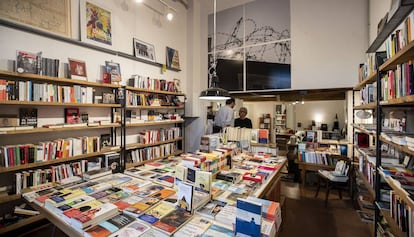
[{"x": 214, "y": 92}]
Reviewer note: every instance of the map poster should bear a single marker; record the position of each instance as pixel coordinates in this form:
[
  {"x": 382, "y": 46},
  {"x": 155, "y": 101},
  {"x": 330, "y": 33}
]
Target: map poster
[
  {"x": 48, "y": 15},
  {"x": 96, "y": 24}
]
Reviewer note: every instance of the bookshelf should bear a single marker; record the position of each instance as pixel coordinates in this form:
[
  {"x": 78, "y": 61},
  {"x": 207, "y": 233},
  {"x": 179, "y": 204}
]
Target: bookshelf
[{"x": 393, "y": 94}]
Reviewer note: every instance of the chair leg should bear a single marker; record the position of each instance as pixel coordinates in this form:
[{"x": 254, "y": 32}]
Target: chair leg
[
  {"x": 319, "y": 187},
  {"x": 328, "y": 188},
  {"x": 340, "y": 193}
]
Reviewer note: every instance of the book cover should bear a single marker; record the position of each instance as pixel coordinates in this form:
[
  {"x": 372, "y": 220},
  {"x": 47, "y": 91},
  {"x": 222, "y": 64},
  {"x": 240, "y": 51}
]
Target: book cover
[
  {"x": 185, "y": 196},
  {"x": 93, "y": 216},
  {"x": 173, "y": 60},
  {"x": 127, "y": 202},
  {"x": 115, "y": 197},
  {"x": 138, "y": 208},
  {"x": 72, "y": 212},
  {"x": 150, "y": 189},
  {"x": 114, "y": 70},
  {"x": 162, "y": 194},
  {"x": 218, "y": 231},
  {"x": 112, "y": 161},
  {"x": 28, "y": 117},
  {"x": 211, "y": 209},
  {"x": 133, "y": 229},
  {"x": 72, "y": 203},
  {"x": 248, "y": 218},
  {"x": 203, "y": 181},
  {"x": 27, "y": 62},
  {"x": 106, "y": 192},
  {"x": 191, "y": 175},
  {"x": 110, "y": 226},
  {"x": 195, "y": 227},
  {"x": 62, "y": 196},
  {"x": 134, "y": 186},
  {"x": 166, "y": 180},
  {"x": 157, "y": 212},
  {"x": 180, "y": 174},
  {"x": 173, "y": 220},
  {"x": 72, "y": 115}
]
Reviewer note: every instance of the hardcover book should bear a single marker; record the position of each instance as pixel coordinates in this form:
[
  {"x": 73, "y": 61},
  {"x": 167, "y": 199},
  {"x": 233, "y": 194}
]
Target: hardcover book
[{"x": 248, "y": 218}]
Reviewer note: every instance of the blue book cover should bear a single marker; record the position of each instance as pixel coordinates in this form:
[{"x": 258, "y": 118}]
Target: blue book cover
[
  {"x": 148, "y": 218},
  {"x": 248, "y": 218}
]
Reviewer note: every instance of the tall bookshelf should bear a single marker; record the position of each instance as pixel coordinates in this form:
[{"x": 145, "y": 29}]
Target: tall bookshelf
[{"x": 390, "y": 85}]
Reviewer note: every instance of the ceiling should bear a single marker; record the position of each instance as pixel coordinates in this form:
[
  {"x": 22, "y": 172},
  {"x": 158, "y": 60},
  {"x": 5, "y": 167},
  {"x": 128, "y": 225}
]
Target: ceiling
[{"x": 293, "y": 95}]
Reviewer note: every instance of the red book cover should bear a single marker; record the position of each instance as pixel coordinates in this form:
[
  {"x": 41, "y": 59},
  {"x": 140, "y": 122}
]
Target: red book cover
[
  {"x": 253, "y": 177},
  {"x": 72, "y": 115}
]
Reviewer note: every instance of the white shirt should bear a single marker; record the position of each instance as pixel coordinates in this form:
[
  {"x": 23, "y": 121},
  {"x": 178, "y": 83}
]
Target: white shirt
[{"x": 224, "y": 117}]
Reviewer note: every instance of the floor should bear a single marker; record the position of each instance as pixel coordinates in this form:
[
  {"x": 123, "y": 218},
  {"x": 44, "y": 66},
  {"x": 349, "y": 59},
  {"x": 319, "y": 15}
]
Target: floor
[{"x": 303, "y": 214}]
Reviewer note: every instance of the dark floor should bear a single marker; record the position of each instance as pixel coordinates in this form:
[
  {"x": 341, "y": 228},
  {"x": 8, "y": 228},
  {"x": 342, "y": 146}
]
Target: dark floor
[{"x": 304, "y": 214}]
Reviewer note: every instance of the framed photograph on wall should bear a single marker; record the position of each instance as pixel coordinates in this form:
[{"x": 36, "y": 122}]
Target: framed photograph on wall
[
  {"x": 144, "y": 50},
  {"x": 95, "y": 23},
  {"x": 77, "y": 69},
  {"x": 173, "y": 61}
]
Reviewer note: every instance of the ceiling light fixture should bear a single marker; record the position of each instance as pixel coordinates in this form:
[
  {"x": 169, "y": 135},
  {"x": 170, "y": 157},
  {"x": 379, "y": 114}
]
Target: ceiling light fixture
[
  {"x": 170, "y": 15},
  {"x": 168, "y": 10},
  {"x": 214, "y": 92}
]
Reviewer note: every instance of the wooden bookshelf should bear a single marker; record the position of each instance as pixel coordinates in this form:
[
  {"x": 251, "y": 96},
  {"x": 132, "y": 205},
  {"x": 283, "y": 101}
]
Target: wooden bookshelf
[
  {"x": 404, "y": 55},
  {"x": 392, "y": 224},
  {"x": 371, "y": 105},
  {"x": 406, "y": 100},
  {"x": 366, "y": 183},
  {"x": 154, "y": 91},
  {"x": 38, "y": 103},
  {"x": 45, "y": 130},
  {"x": 364, "y": 130},
  {"x": 405, "y": 149},
  {"x": 50, "y": 162},
  {"x": 20, "y": 224},
  {"x": 164, "y": 122},
  {"x": 153, "y": 107},
  {"x": 368, "y": 80},
  {"x": 140, "y": 145}
]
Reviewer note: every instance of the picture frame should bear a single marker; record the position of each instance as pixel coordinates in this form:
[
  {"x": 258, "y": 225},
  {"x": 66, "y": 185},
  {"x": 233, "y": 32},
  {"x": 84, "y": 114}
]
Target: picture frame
[
  {"x": 144, "y": 50},
  {"x": 95, "y": 23},
  {"x": 114, "y": 71},
  {"x": 56, "y": 11},
  {"x": 173, "y": 60},
  {"x": 77, "y": 69}
]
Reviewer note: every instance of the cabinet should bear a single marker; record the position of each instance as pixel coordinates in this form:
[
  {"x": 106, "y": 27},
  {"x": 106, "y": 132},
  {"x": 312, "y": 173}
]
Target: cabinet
[{"x": 385, "y": 158}]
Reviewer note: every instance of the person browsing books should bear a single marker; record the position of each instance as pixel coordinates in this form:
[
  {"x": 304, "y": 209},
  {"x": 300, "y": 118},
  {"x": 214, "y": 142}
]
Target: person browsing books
[
  {"x": 225, "y": 116},
  {"x": 243, "y": 121}
]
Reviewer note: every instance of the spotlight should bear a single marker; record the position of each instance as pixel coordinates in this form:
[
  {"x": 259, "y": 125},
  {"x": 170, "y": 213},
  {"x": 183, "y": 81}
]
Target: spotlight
[
  {"x": 139, "y": 1},
  {"x": 170, "y": 15}
]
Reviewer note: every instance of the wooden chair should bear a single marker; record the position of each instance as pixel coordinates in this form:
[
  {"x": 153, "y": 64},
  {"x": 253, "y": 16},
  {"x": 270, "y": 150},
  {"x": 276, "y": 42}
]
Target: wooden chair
[{"x": 335, "y": 182}]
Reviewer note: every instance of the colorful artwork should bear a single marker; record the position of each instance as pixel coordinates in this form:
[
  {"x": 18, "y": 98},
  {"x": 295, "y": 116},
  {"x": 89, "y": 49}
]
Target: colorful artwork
[{"x": 96, "y": 24}]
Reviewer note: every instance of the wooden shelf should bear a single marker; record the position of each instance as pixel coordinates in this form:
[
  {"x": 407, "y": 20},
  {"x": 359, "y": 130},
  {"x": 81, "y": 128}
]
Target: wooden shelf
[
  {"x": 22, "y": 223},
  {"x": 154, "y": 123},
  {"x": 392, "y": 224},
  {"x": 402, "y": 12},
  {"x": 372, "y": 105},
  {"x": 399, "y": 147},
  {"x": 397, "y": 189},
  {"x": 45, "y": 130},
  {"x": 130, "y": 165},
  {"x": 406, "y": 100},
  {"x": 364, "y": 130},
  {"x": 50, "y": 162},
  {"x": 404, "y": 55},
  {"x": 58, "y": 80},
  {"x": 140, "y": 145},
  {"x": 154, "y": 107},
  {"x": 38, "y": 103},
  {"x": 9, "y": 198},
  {"x": 154, "y": 91},
  {"x": 368, "y": 80},
  {"x": 366, "y": 183}
]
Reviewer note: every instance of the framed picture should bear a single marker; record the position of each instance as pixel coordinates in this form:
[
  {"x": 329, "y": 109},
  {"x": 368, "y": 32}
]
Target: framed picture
[
  {"x": 114, "y": 71},
  {"x": 173, "y": 61},
  {"x": 77, "y": 69},
  {"x": 144, "y": 50},
  {"x": 96, "y": 23},
  {"x": 36, "y": 14}
]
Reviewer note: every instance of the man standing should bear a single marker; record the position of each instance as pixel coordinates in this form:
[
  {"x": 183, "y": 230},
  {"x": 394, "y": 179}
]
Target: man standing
[
  {"x": 224, "y": 117},
  {"x": 243, "y": 121}
]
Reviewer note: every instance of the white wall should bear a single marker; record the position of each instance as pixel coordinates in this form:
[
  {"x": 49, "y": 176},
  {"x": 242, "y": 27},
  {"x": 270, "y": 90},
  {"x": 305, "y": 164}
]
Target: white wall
[
  {"x": 377, "y": 10},
  {"x": 329, "y": 38}
]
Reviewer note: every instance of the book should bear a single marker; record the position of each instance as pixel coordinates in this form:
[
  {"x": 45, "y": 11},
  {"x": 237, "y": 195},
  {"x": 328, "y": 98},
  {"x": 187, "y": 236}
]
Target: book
[
  {"x": 248, "y": 218},
  {"x": 94, "y": 216},
  {"x": 162, "y": 194},
  {"x": 27, "y": 62},
  {"x": 97, "y": 173},
  {"x": 72, "y": 115},
  {"x": 211, "y": 209},
  {"x": 166, "y": 180},
  {"x": 140, "y": 207},
  {"x": 28, "y": 117},
  {"x": 185, "y": 196},
  {"x": 83, "y": 207},
  {"x": 157, "y": 212},
  {"x": 216, "y": 230},
  {"x": 173, "y": 60},
  {"x": 203, "y": 181},
  {"x": 127, "y": 202},
  {"x": 133, "y": 229},
  {"x": 71, "y": 203},
  {"x": 113, "y": 161},
  {"x": 195, "y": 227},
  {"x": 109, "y": 226},
  {"x": 173, "y": 220},
  {"x": 114, "y": 70},
  {"x": 62, "y": 196}
]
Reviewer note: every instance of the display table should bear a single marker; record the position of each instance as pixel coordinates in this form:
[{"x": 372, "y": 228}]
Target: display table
[{"x": 269, "y": 190}]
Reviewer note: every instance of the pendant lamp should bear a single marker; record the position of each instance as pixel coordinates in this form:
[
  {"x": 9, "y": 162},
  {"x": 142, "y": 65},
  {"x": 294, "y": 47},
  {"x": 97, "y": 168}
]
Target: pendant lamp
[{"x": 214, "y": 92}]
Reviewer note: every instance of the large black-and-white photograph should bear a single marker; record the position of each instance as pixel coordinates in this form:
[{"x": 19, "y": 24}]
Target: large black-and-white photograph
[
  {"x": 144, "y": 50},
  {"x": 257, "y": 35}
]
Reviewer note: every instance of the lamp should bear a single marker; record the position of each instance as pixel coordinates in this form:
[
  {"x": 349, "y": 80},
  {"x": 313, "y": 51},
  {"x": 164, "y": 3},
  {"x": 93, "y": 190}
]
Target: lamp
[{"x": 214, "y": 92}]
